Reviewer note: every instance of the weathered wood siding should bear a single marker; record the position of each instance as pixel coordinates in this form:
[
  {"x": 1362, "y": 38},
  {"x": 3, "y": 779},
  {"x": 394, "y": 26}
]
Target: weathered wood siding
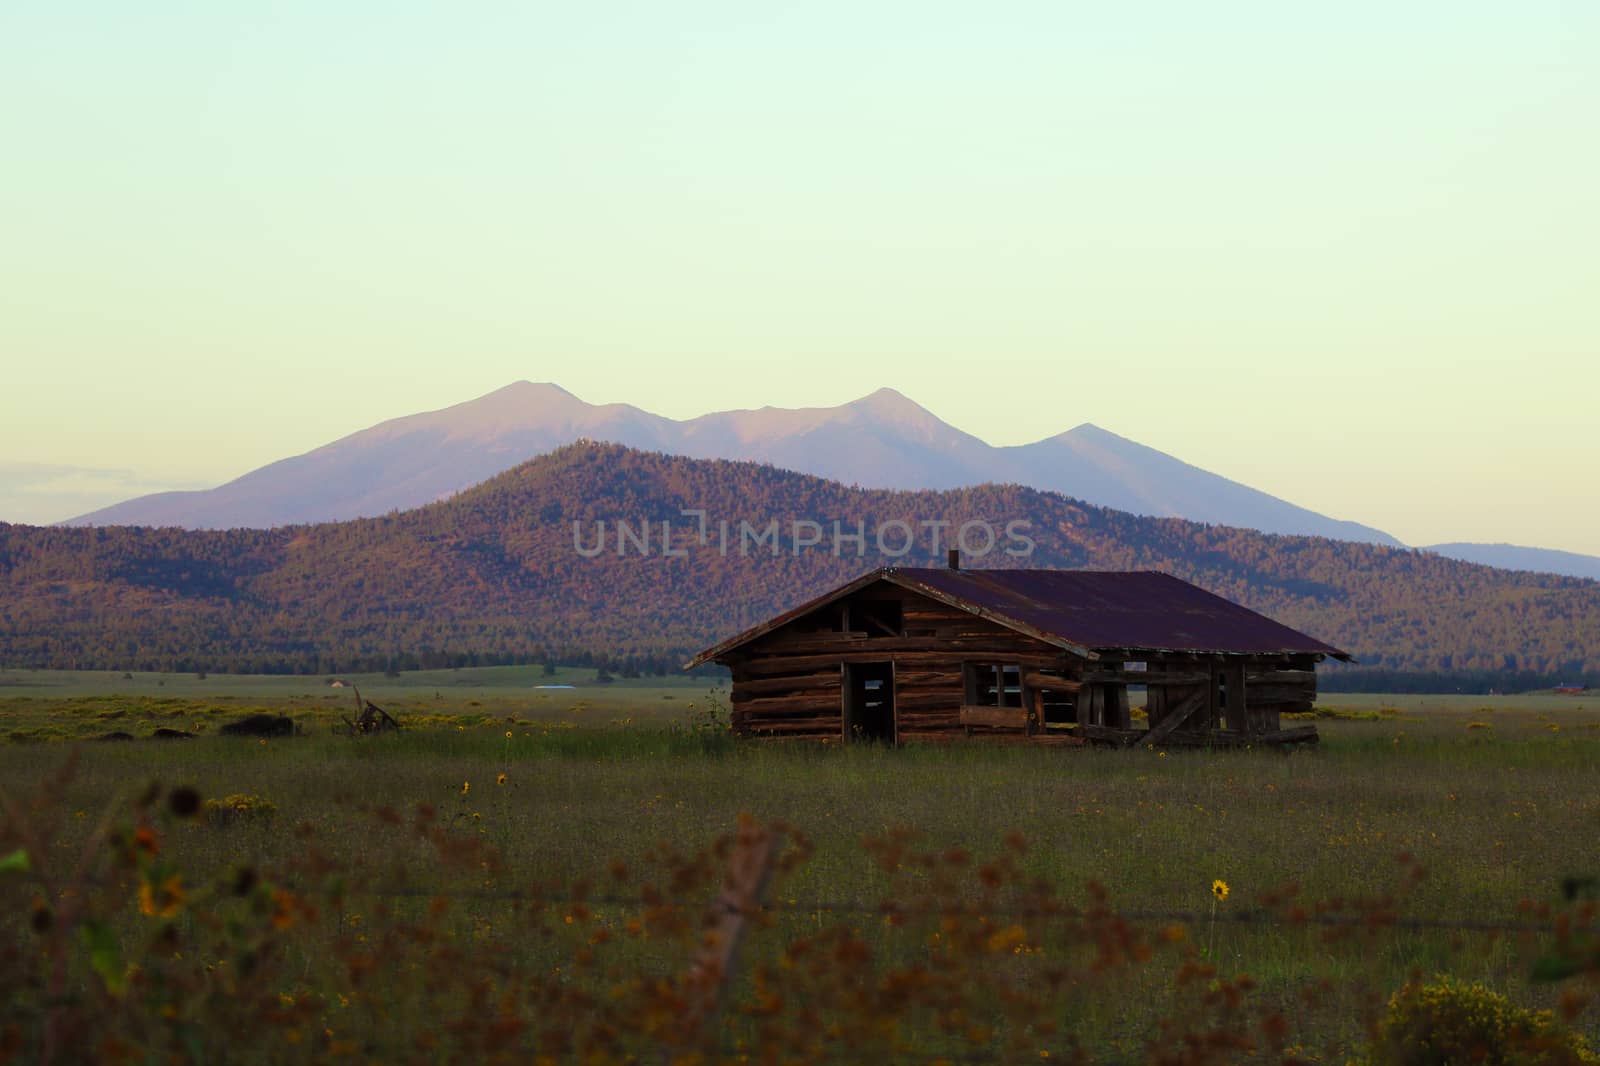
[{"x": 788, "y": 683}]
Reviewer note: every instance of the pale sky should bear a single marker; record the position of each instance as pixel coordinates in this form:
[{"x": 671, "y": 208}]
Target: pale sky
[{"x": 1346, "y": 253}]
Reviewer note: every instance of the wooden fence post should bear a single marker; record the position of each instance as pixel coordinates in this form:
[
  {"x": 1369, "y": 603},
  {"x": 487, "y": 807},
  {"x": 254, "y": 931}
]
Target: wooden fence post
[{"x": 755, "y": 853}]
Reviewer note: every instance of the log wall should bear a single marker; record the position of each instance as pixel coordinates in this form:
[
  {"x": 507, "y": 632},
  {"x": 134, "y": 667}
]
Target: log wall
[{"x": 789, "y": 682}]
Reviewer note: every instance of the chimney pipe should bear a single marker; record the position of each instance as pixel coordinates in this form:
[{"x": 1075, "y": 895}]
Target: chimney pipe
[{"x": 953, "y": 558}]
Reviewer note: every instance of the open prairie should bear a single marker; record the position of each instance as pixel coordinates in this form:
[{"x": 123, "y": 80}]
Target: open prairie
[{"x": 528, "y": 870}]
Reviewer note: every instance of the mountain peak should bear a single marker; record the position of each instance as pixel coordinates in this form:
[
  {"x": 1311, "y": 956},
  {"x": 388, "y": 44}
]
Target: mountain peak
[
  {"x": 538, "y": 394},
  {"x": 524, "y": 387},
  {"x": 515, "y": 405},
  {"x": 1088, "y": 431},
  {"x": 886, "y": 399},
  {"x": 892, "y": 406}
]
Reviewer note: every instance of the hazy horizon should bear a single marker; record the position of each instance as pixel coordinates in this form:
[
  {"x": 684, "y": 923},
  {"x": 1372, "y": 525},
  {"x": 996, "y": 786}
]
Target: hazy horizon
[{"x": 1344, "y": 256}]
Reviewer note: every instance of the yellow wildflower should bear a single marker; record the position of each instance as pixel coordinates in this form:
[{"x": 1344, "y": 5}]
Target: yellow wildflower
[
  {"x": 466, "y": 786},
  {"x": 161, "y": 901},
  {"x": 500, "y": 780},
  {"x": 1219, "y": 888}
]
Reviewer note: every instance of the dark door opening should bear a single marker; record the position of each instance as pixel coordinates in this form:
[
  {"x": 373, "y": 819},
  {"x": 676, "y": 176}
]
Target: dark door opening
[{"x": 869, "y": 702}]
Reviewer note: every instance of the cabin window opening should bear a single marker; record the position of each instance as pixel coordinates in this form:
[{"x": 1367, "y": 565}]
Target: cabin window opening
[
  {"x": 1057, "y": 706},
  {"x": 1059, "y": 709},
  {"x": 829, "y": 619},
  {"x": 880, "y": 618},
  {"x": 994, "y": 685}
]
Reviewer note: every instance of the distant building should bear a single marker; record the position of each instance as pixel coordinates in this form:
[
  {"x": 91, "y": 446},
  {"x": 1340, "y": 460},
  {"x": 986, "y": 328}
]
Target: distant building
[
  {"x": 903, "y": 655},
  {"x": 1571, "y": 690}
]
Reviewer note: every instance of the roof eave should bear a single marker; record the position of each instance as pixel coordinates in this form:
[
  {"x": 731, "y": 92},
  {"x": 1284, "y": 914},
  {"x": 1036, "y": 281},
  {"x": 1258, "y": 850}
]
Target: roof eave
[{"x": 1131, "y": 650}]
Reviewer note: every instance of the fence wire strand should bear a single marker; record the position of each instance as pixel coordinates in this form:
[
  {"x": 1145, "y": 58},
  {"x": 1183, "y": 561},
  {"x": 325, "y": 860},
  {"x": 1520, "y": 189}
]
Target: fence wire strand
[{"x": 812, "y": 908}]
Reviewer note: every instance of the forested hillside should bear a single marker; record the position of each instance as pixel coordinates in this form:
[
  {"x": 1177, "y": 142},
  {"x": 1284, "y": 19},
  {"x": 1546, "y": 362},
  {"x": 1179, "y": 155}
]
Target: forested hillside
[{"x": 496, "y": 575}]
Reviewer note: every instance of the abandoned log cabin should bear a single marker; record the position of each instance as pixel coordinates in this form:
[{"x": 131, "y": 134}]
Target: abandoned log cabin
[{"x": 902, "y": 655}]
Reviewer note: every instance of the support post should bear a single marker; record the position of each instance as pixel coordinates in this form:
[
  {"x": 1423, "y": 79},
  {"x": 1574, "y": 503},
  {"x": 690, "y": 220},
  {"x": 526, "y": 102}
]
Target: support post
[{"x": 750, "y": 864}]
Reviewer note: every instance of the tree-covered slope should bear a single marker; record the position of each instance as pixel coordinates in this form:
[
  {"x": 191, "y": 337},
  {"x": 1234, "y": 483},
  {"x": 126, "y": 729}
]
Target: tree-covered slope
[{"x": 496, "y": 575}]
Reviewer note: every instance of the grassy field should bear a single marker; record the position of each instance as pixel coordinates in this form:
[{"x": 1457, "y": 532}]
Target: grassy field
[
  {"x": 1444, "y": 811},
  {"x": 82, "y": 704}
]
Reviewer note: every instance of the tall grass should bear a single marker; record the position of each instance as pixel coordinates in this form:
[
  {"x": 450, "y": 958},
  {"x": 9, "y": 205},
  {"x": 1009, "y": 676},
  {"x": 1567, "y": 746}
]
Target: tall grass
[{"x": 1411, "y": 812}]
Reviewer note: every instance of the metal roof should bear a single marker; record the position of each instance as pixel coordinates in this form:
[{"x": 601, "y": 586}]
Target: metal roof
[{"x": 1083, "y": 611}]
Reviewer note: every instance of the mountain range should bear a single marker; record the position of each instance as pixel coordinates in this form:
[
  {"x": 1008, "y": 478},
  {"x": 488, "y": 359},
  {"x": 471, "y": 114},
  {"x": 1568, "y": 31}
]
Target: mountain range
[
  {"x": 533, "y": 565},
  {"x": 883, "y": 440}
]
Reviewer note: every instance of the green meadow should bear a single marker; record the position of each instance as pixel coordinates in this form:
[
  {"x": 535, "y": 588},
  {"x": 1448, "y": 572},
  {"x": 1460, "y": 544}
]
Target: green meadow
[{"x": 537, "y": 854}]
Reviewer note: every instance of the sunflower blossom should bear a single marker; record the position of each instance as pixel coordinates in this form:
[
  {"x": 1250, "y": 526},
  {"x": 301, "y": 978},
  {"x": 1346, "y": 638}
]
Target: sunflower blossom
[{"x": 161, "y": 901}]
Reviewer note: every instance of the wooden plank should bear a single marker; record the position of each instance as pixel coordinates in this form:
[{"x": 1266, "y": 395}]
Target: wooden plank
[
  {"x": 946, "y": 714},
  {"x": 1057, "y": 740},
  {"x": 774, "y": 665},
  {"x": 741, "y": 695},
  {"x": 820, "y": 726},
  {"x": 1106, "y": 734},
  {"x": 1233, "y": 680},
  {"x": 938, "y": 682},
  {"x": 1280, "y": 693},
  {"x": 1263, "y": 720},
  {"x": 743, "y": 690},
  {"x": 1052, "y": 682},
  {"x": 788, "y": 641},
  {"x": 911, "y": 676},
  {"x": 1146, "y": 677},
  {"x": 937, "y": 615},
  {"x": 1281, "y": 677},
  {"x": 928, "y": 701},
  {"x": 1117, "y": 711},
  {"x": 781, "y": 704},
  {"x": 798, "y": 714},
  {"x": 1155, "y": 705},
  {"x": 1177, "y": 715},
  {"x": 1003, "y": 717},
  {"x": 1092, "y": 706}
]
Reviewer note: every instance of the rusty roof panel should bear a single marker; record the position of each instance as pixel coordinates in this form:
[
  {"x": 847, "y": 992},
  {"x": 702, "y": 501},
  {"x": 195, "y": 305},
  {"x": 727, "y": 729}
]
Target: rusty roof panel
[
  {"x": 1101, "y": 609},
  {"x": 1083, "y": 611}
]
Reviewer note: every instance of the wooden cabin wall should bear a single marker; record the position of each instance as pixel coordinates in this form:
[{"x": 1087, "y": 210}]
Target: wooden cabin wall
[
  {"x": 1277, "y": 686},
  {"x": 1272, "y": 685},
  {"x": 788, "y": 683}
]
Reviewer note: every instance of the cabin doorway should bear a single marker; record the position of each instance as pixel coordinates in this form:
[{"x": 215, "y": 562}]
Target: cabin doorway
[{"x": 869, "y": 702}]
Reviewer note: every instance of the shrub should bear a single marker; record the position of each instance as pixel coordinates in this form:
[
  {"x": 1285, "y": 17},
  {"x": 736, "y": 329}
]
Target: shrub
[{"x": 1450, "y": 1021}]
